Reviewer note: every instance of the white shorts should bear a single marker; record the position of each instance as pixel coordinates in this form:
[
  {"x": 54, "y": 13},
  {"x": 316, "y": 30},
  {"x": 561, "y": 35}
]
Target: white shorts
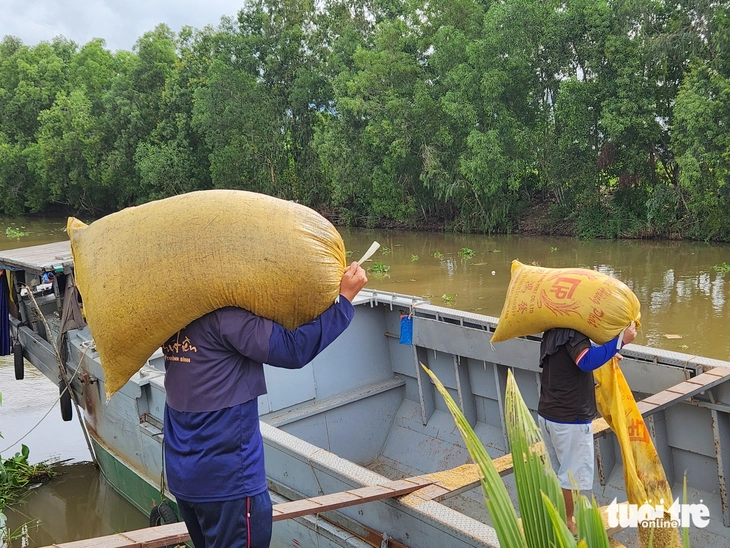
[{"x": 570, "y": 447}]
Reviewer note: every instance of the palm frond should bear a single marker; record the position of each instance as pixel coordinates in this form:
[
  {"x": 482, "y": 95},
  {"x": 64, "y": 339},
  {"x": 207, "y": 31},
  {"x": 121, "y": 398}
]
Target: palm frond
[
  {"x": 499, "y": 505},
  {"x": 590, "y": 524},
  {"x": 533, "y": 473}
]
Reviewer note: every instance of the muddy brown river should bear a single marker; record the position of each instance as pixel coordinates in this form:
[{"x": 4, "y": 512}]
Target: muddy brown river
[{"x": 683, "y": 287}]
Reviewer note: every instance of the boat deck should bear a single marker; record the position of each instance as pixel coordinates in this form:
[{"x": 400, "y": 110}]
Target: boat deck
[{"x": 41, "y": 258}]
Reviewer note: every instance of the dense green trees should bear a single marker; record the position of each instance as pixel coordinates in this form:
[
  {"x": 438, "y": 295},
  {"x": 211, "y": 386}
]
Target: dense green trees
[{"x": 459, "y": 113}]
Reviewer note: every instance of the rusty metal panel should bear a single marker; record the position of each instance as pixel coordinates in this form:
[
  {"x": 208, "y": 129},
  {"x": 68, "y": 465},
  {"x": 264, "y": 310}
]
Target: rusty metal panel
[
  {"x": 722, "y": 393},
  {"x": 606, "y": 451},
  {"x": 701, "y": 470},
  {"x": 660, "y": 436},
  {"x": 721, "y": 434}
]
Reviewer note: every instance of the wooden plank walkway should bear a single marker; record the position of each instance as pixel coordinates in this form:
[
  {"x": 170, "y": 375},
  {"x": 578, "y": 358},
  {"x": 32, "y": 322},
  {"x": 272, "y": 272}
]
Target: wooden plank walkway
[
  {"x": 683, "y": 390},
  {"x": 165, "y": 535},
  {"x": 325, "y": 503},
  {"x": 453, "y": 482}
]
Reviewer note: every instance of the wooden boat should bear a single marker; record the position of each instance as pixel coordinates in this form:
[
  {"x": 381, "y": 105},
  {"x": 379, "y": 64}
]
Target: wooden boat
[{"x": 363, "y": 413}]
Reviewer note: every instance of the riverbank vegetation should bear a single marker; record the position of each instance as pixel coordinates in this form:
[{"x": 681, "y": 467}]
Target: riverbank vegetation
[
  {"x": 16, "y": 477},
  {"x": 597, "y": 118}
]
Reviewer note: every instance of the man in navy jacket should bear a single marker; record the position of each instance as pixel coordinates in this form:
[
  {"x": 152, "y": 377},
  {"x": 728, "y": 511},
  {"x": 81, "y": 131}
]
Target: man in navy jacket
[{"x": 214, "y": 452}]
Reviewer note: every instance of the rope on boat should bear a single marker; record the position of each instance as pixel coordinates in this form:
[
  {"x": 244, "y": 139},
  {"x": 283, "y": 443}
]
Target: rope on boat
[
  {"x": 43, "y": 417},
  {"x": 64, "y": 376}
]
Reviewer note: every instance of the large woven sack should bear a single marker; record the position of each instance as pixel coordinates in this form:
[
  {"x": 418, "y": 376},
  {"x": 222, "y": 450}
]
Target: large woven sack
[
  {"x": 596, "y": 304},
  {"x": 146, "y": 272}
]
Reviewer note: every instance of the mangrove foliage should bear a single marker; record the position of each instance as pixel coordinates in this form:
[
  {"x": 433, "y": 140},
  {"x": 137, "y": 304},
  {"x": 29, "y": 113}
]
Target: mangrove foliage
[{"x": 471, "y": 115}]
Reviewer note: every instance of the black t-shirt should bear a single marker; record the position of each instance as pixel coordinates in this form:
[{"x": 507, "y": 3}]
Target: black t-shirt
[{"x": 567, "y": 393}]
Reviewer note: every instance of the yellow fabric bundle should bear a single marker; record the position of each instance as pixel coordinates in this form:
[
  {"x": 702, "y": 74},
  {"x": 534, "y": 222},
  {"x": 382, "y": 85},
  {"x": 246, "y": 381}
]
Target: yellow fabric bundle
[
  {"x": 146, "y": 272},
  {"x": 644, "y": 475},
  {"x": 538, "y": 299}
]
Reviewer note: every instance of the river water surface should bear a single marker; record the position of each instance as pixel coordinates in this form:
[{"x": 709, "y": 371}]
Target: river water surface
[{"x": 685, "y": 303}]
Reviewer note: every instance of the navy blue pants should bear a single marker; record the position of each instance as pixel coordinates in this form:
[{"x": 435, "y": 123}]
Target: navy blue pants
[{"x": 241, "y": 523}]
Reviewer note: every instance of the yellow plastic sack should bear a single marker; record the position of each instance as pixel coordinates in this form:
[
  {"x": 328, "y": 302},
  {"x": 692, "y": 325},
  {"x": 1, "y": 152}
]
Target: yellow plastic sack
[
  {"x": 598, "y": 305},
  {"x": 644, "y": 476},
  {"x": 146, "y": 272}
]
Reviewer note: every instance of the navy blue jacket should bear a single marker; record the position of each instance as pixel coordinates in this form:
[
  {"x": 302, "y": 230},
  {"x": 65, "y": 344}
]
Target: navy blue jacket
[{"x": 214, "y": 375}]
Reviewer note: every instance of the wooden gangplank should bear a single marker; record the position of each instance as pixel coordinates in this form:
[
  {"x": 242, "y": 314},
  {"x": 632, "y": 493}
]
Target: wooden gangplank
[
  {"x": 453, "y": 482},
  {"x": 335, "y": 501},
  {"x": 684, "y": 390},
  {"x": 166, "y": 535}
]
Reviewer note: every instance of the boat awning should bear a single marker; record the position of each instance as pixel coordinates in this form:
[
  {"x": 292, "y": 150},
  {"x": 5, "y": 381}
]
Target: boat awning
[{"x": 53, "y": 257}]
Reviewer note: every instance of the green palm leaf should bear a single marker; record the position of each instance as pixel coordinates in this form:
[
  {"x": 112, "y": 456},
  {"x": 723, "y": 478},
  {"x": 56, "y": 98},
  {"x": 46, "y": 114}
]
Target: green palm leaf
[
  {"x": 563, "y": 537},
  {"x": 590, "y": 524},
  {"x": 538, "y": 491},
  {"x": 497, "y": 499},
  {"x": 534, "y": 475}
]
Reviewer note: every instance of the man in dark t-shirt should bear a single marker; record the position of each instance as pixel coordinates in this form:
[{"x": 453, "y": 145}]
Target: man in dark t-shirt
[
  {"x": 214, "y": 452},
  {"x": 567, "y": 404}
]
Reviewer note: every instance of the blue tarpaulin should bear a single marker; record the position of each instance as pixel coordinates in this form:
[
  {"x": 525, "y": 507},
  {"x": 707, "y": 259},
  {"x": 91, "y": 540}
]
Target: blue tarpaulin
[
  {"x": 406, "y": 330},
  {"x": 4, "y": 316}
]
